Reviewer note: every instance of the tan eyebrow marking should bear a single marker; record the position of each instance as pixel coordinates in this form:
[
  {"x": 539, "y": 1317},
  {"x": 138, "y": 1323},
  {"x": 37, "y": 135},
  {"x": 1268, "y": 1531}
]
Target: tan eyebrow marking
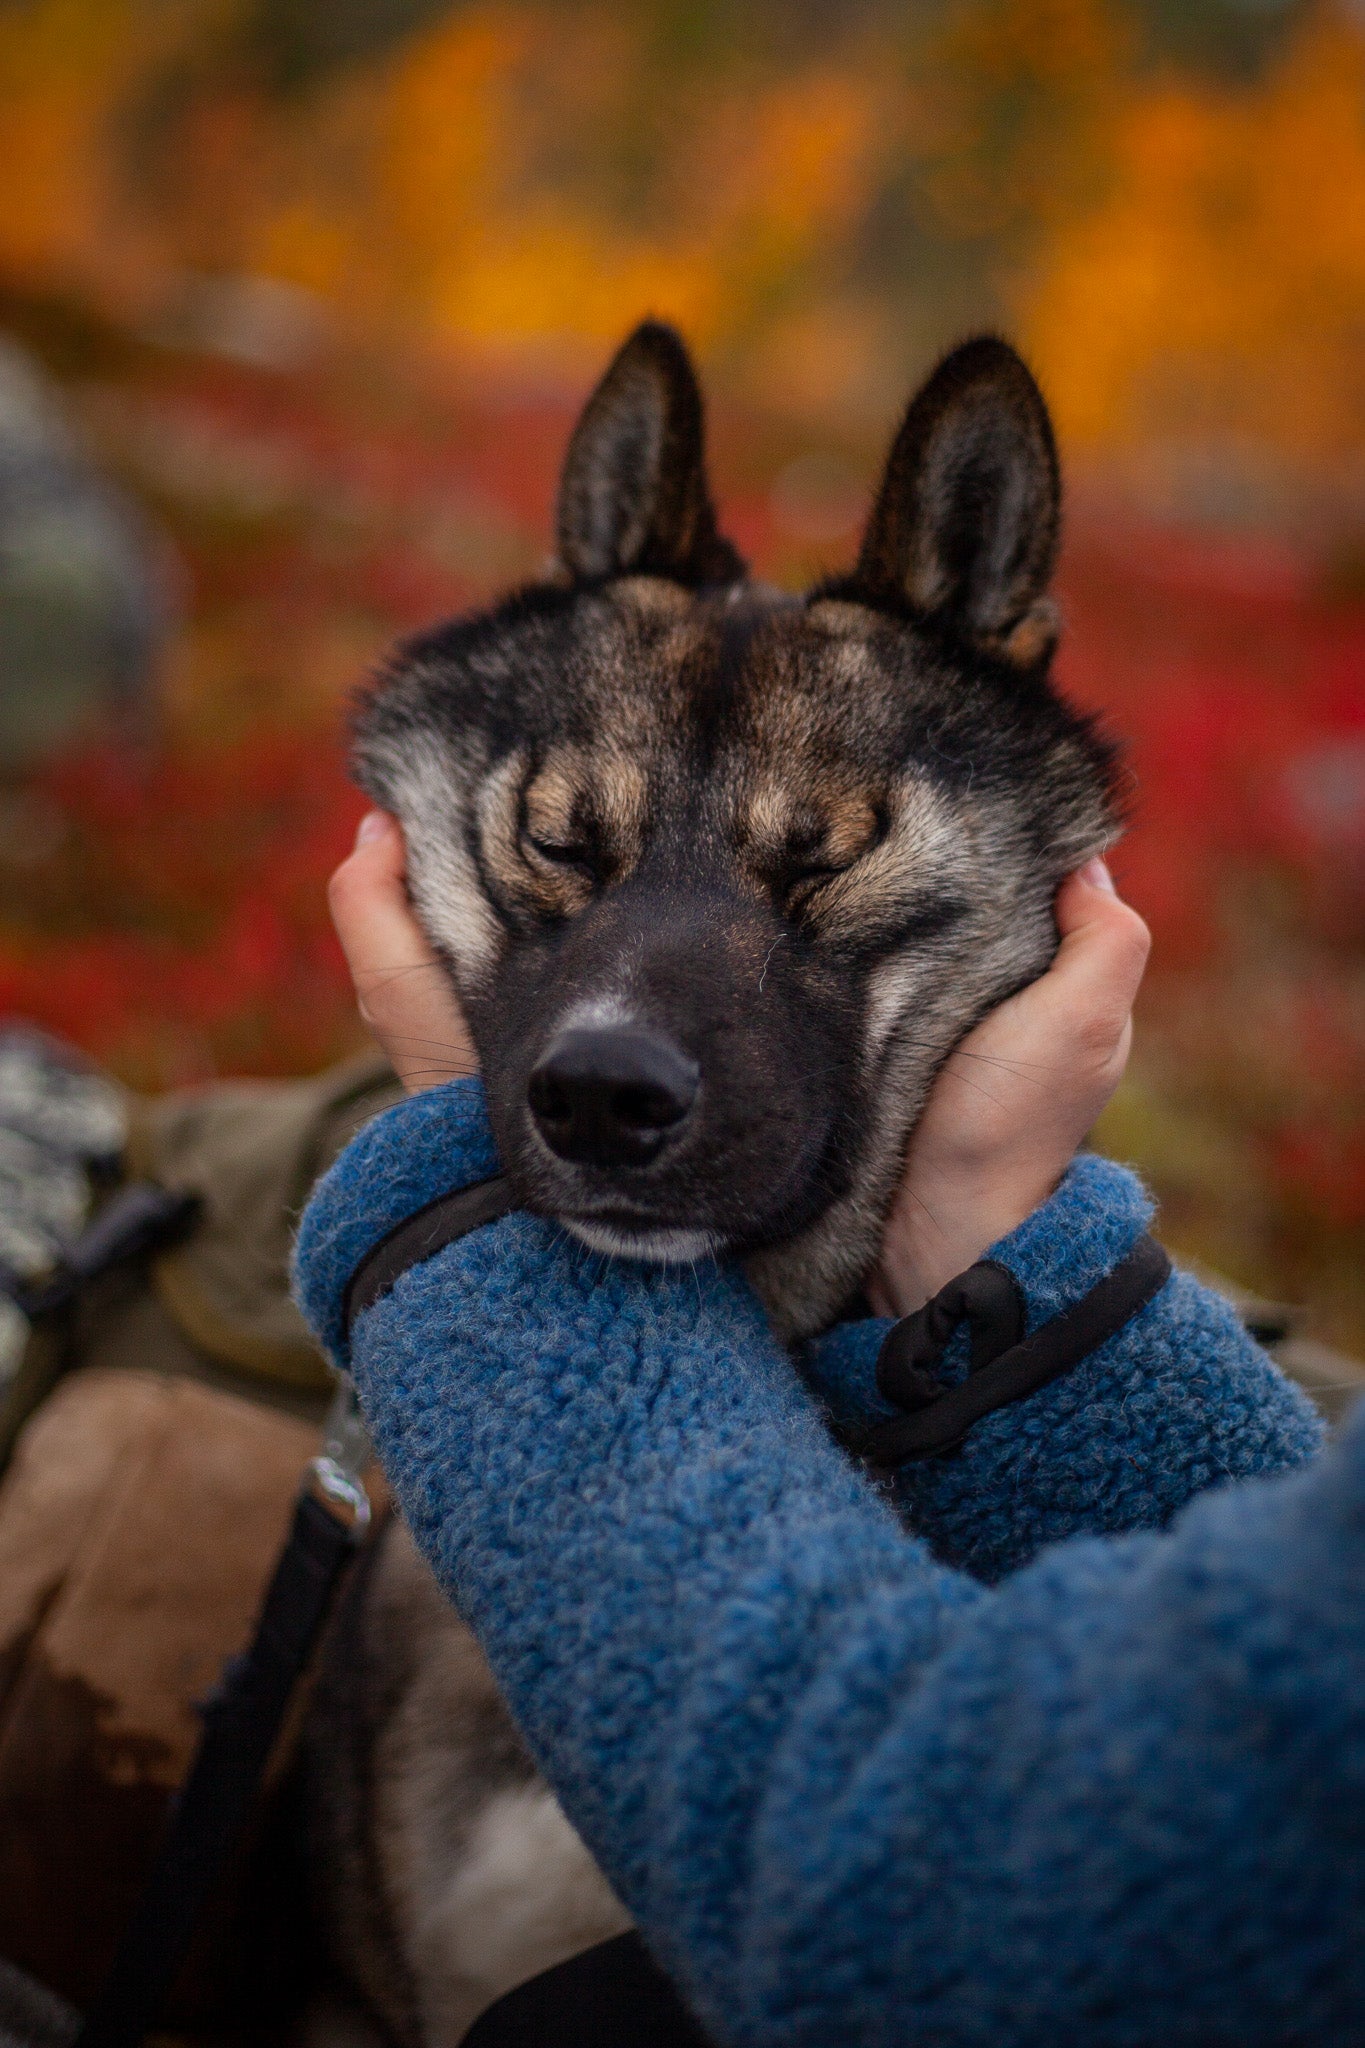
[
  {"x": 602, "y": 792},
  {"x": 768, "y": 822},
  {"x": 551, "y": 803},
  {"x": 833, "y": 824},
  {"x": 620, "y": 791},
  {"x": 851, "y": 826}
]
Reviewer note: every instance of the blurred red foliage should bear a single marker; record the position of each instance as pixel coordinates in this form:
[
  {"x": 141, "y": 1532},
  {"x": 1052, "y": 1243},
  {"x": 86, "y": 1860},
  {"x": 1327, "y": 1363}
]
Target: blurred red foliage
[
  {"x": 169, "y": 915},
  {"x": 185, "y": 932},
  {"x": 1238, "y": 682}
]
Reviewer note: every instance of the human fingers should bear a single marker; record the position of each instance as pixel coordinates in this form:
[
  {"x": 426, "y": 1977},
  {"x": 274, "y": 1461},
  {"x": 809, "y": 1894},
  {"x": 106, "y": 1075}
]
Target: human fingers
[
  {"x": 1016, "y": 1098},
  {"x": 403, "y": 991},
  {"x": 1098, "y": 968},
  {"x": 1049, "y": 1057}
]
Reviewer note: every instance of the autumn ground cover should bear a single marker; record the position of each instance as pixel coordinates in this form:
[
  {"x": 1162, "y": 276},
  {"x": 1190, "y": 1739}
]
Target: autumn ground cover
[{"x": 165, "y": 900}]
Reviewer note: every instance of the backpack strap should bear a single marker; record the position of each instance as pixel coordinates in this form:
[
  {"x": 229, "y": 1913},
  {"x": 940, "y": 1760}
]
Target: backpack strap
[
  {"x": 243, "y": 1717},
  {"x": 245, "y": 1713},
  {"x": 142, "y": 1217}
]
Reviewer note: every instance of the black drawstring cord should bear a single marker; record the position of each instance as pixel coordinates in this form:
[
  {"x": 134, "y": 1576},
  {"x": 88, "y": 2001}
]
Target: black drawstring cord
[{"x": 1005, "y": 1365}]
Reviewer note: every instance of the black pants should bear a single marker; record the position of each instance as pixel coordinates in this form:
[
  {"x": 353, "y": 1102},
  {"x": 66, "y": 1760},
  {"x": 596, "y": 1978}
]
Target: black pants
[{"x": 612, "y": 1996}]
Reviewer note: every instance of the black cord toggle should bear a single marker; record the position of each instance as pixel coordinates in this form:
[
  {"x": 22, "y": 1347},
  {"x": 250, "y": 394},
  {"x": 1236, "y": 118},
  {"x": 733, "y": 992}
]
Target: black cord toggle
[
  {"x": 987, "y": 1296},
  {"x": 1005, "y": 1366}
]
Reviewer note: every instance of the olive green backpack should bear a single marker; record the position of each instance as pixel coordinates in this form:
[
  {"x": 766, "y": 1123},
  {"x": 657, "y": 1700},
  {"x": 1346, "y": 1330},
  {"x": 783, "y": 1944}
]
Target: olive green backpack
[{"x": 159, "y": 1404}]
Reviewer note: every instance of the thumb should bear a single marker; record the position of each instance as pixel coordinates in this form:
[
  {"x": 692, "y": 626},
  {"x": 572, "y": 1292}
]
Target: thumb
[{"x": 403, "y": 989}]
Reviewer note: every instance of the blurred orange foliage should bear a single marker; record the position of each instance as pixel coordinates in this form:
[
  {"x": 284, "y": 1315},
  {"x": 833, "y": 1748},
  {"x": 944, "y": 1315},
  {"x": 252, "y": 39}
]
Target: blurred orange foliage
[
  {"x": 424, "y": 195},
  {"x": 1185, "y": 256},
  {"x": 1218, "y": 285}
]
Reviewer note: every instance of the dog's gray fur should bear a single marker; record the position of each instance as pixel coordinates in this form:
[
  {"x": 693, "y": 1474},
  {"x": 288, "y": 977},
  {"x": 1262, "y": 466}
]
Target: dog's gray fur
[{"x": 812, "y": 841}]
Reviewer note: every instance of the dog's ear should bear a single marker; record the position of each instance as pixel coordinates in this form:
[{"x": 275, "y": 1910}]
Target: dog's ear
[
  {"x": 633, "y": 498},
  {"x": 964, "y": 529}
]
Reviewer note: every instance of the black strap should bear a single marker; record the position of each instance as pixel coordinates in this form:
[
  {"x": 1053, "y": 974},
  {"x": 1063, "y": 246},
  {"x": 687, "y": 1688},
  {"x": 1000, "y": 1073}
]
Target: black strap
[
  {"x": 941, "y": 1416},
  {"x": 611, "y": 1996},
  {"x": 142, "y": 1217},
  {"x": 987, "y": 1296},
  {"x": 420, "y": 1237},
  {"x": 242, "y": 1719}
]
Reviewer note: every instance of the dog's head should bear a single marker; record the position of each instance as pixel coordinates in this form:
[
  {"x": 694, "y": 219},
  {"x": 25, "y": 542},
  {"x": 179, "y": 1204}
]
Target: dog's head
[{"x": 722, "y": 875}]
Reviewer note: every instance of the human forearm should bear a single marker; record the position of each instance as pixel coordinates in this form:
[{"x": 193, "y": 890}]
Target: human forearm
[
  {"x": 597, "y": 1459},
  {"x": 850, "y": 1794}
]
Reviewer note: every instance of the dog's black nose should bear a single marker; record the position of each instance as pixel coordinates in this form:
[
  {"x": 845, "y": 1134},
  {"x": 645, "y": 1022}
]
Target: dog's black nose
[{"x": 612, "y": 1095}]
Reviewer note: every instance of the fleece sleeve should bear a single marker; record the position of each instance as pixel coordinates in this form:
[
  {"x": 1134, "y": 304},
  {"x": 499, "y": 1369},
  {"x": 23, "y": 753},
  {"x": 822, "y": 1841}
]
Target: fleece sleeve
[
  {"x": 1178, "y": 1400},
  {"x": 849, "y": 1793}
]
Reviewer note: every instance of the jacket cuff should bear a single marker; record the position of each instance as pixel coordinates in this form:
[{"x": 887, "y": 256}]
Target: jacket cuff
[
  {"x": 1057, "y": 1255},
  {"x": 425, "y": 1146}
]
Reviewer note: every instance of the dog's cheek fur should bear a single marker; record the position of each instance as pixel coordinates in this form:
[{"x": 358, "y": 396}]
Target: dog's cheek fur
[
  {"x": 425, "y": 780},
  {"x": 918, "y": 1005},
  {"x": 921, "y": 1000}
]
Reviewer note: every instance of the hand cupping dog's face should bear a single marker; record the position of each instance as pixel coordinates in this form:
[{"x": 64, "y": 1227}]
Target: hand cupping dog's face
[{"x": 722, "y": 876}]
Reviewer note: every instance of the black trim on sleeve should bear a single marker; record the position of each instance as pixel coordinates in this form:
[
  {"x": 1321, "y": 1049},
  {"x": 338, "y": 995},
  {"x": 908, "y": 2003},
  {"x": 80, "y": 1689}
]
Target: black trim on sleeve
[
  {"x": 939, "y": 1416},
  {"x": 420, "y": 1237}
]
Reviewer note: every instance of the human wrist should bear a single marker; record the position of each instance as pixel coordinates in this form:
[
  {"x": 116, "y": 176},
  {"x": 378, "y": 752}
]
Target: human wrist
[
  {"x": 1067, "y": 1242},
  {"x": 943, "y": 1222}
]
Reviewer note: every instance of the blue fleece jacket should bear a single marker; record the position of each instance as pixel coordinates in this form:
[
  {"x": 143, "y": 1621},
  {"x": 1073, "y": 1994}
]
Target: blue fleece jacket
[{"x": 905, "y": 1766}]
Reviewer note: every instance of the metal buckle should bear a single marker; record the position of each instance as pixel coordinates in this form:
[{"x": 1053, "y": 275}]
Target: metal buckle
[{"x": 345, "y": 1453}]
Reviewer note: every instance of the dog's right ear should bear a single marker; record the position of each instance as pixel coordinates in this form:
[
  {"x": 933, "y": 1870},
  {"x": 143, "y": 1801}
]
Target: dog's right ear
[
  {"x": 964, "y": 529},
  {"x": 633, "y": 498}
]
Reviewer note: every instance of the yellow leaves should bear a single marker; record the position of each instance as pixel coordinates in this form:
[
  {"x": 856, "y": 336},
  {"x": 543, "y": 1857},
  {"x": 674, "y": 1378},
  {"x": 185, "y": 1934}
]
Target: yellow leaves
[
  {"x": 437, "y": 192},
  {"x": 1030, "y": 91},
  {"x": 792, "y": 161},
  {"x": 1220, "y": 286},
  {"x": 525, "y": 179},
  {"x": 557, "y": 280},
  {"x": 481, "y": 247},
  {"x": 1071, "y": 43},
  {"x": 70, "y": 73},
  {"x": 59, "y": 77},
  {"x": 449, "y": 148}
]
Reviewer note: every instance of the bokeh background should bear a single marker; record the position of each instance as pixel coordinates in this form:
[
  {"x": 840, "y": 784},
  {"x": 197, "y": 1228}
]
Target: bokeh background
[{"x": 298, "y": 300}]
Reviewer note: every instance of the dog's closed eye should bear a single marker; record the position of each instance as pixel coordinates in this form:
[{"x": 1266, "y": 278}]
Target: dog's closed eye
[
  {"x": 560, "y": 834},
  {"x": 568, "y": 853},
  {"x": 798, "y": 879},
  {"x": 817, "y": 849}
]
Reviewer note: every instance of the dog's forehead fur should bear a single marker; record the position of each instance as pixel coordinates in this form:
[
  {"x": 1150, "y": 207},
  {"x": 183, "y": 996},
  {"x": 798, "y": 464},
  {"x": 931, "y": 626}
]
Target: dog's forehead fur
[
  {"x": 813, "y": 839},
  {"x": 742, "y": 724}
]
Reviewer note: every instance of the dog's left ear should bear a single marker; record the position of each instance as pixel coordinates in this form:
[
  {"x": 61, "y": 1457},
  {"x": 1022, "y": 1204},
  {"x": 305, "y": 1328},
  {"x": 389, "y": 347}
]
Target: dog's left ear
[
  {"x": 633, "y": 498},
  {"x": 964, "y": 529}
]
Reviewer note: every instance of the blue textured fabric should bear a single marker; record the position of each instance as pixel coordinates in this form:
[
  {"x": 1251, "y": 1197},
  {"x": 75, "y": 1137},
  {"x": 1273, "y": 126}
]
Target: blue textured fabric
[
  {"x": 850, "y": 1793},
  {"x": 1180, "y": 1400},
  {"x": 423, "y": 1147}
]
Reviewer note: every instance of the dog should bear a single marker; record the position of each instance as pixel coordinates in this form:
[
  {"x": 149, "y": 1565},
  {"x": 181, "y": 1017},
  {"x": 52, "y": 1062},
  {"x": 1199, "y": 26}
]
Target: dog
[{"x": 721, "y": 876}]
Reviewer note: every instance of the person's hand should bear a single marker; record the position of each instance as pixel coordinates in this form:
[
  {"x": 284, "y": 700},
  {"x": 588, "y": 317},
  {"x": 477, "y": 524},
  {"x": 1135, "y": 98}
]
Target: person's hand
[
  {"x": 404, "y": 992},
  {"x": 1006, "y": 1114}
]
